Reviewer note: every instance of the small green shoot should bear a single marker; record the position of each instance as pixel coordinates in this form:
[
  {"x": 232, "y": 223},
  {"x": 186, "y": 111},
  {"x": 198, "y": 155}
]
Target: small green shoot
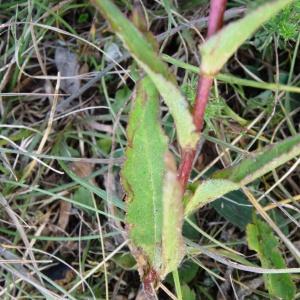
[{"x": 262, "y": 240}]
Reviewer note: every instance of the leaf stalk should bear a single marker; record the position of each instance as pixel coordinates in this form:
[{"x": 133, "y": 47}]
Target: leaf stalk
[{"x": 215, "y": 23}]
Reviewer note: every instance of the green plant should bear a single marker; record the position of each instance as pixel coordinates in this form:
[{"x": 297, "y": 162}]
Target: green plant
[
  {"x": 206, "y": 154},
  {"x": 154, "y": 194},
  {"x": 284, "y": 26},
  {"x": 262, "y": 240}
]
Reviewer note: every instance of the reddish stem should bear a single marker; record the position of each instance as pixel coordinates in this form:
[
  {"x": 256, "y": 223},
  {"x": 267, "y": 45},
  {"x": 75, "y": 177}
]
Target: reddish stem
[
  {"x": 203, "y": 91},
  {"x": 185, "y": 167},
  {"x": 216, "y": 14}
]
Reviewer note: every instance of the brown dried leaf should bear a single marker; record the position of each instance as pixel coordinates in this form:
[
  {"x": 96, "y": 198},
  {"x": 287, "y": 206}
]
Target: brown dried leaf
[
  {"x": 64, "y": 214},
  {"x": 81, "y": 169}
]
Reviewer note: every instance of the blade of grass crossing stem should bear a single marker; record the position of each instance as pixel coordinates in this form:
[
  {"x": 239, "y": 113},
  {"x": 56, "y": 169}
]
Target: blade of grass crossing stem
[
  {"x": 231, "y": 79},
  {"x": 233, "y": 178},
  {"x": 150, "y": 61},
  {"x": 154, "y": 208},
  {"x": 220, "y": 47}
]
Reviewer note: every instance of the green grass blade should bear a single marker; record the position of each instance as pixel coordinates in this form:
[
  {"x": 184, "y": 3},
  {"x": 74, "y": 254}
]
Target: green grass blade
[
  {"x": 231, "y": 79},
  {"x": 177, "y": 284},
  {"x": 279, "y": 285},
  {"x": 220, "y": 47},
  {"x": 149, "y": 60},
  {"x": 248, "y": 170},
  {"x": 149, "y": 178},
  {"x": 92, "y": 188}
]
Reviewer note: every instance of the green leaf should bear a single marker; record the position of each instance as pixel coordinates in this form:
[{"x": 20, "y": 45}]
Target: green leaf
[
  {"x": 188, "y": 271},
  {"x": 83, "y": 196},
  {"x": 234, "y": 208},
  {"x": 187, "y": 293},
  {"x": 190, "y": 232},
  {"x": 154, "y": 210},
  {"x": 121, "y": 98},
  {"x": 261, "y": 239},
  {"x": 233, "y": 178},
  {"x": 208, "y": 191},
  {"x": 220, "y": 47},
  {"x": 104, "y": 145},
  {"x": 260, "y": 163},
  {"x": 125, "y": 260},
  {"x": 280, "y": 220},
  {"x": 143, "y": 52}
]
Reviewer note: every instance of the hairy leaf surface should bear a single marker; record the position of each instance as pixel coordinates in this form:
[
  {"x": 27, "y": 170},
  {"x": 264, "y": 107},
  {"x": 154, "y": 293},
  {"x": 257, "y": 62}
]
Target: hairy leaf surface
[
  {"x": 172, "y": 241},
  {"x": 261, "y": 239},
  {"x": 260, "y": 163},
  {"x": 154, "y": 211},
  {"x": 220, "y": 47},
  {"x": 142, "y": 51},
  {"x": 208, "y": 191},
  {"x": 233, "y": 178}
]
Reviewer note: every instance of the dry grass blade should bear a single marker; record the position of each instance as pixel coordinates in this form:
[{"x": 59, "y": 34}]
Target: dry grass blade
[
  {"x": 20, "y": 229},
  {"x": 261, "y": 211},
  {"x": 31, "y": 166},
  {"x": 95, "y": 269},
  {"x": 23, "y": 151},
  {"x": 238, "y": 266},
  {"x": 27, "y": 278}
]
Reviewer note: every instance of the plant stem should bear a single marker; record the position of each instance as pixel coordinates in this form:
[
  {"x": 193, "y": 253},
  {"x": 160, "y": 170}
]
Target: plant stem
[
  {"x": 203, "y": 91},
  {"x": 216, "y": 14}
]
